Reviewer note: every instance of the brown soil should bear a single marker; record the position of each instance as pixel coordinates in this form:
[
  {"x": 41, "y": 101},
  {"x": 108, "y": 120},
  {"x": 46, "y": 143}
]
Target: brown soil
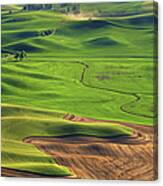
[
  {"x": 131, "y": 158},
  {"x": 7, "y": 172},
  {"x": 16, "y": 173}
]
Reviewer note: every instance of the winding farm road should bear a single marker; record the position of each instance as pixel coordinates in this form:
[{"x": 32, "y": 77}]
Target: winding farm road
[
  {"x": 121, "y": 158},
  {"x": 122, "y": 107}
]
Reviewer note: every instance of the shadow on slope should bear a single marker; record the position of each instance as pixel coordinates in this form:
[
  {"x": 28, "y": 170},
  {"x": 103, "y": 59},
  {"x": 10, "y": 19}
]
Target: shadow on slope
[
  {"x": 102, "y": 41},
  {"x": 23, "y": 46},
  {"x": 90, "y": 24}
]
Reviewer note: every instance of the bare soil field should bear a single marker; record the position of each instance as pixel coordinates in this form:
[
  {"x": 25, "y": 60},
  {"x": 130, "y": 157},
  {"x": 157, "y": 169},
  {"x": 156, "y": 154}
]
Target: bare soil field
[
  {"x": 119, "y": 158},
  {"x": 16, "y": 173}
]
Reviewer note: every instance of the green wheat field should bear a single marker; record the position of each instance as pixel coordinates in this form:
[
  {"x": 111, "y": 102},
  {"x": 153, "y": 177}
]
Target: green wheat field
[{"x": 79, "y": 90}]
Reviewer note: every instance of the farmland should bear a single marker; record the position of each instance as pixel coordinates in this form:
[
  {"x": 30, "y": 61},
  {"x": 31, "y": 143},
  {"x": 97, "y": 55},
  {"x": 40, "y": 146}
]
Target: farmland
[{"x": 88, "y": 78}]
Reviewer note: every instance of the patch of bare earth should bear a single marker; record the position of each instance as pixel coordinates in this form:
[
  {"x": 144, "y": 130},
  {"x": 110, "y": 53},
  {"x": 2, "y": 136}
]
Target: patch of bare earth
[
  {"x": 131, "y": 158},
  {"x": 81, "y": 17},
  {"x": 16, "y": 173}
]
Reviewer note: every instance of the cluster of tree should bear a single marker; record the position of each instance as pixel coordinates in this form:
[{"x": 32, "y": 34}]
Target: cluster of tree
[
  {"x": 10, "y": 12},
  {"x": 47, "y": 32},
  {"x": 64, "y": 8},
  {"x": 20, "y": 55},
  {"x": 38, "y": 7},
  {"x": 70, "y": 8}
]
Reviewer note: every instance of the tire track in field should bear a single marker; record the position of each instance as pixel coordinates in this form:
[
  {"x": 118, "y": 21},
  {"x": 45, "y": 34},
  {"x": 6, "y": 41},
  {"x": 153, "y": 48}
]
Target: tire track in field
[
  {"x": 122, "y": 107},
  {"x": 139, "y": 131}
]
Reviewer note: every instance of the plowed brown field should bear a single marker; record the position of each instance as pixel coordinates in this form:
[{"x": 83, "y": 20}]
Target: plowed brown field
[{"x": 131, "y": 158}]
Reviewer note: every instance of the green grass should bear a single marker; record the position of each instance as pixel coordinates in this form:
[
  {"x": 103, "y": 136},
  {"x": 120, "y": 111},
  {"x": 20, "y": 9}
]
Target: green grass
[
  {"x": 19, "y": 122},
  {"x": 101, "y": 68},
  {"x": 57, "y": 85}
]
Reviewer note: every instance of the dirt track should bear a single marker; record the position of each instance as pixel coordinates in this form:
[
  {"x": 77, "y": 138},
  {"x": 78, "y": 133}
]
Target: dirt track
[{"x": 104, "y": 158}]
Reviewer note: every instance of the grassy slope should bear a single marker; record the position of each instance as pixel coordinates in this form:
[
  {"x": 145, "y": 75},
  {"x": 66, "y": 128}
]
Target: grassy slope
[
  {"x": 19, "y": 122},
  {"x": 104, "y": 64}
]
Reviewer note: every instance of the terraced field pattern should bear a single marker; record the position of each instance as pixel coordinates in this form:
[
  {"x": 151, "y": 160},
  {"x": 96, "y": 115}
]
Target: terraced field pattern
[{"x": 81, "y": 101}]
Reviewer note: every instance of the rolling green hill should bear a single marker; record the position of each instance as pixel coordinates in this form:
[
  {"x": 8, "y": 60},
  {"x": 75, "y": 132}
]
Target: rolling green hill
[{"x": 99, "y": 63}]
